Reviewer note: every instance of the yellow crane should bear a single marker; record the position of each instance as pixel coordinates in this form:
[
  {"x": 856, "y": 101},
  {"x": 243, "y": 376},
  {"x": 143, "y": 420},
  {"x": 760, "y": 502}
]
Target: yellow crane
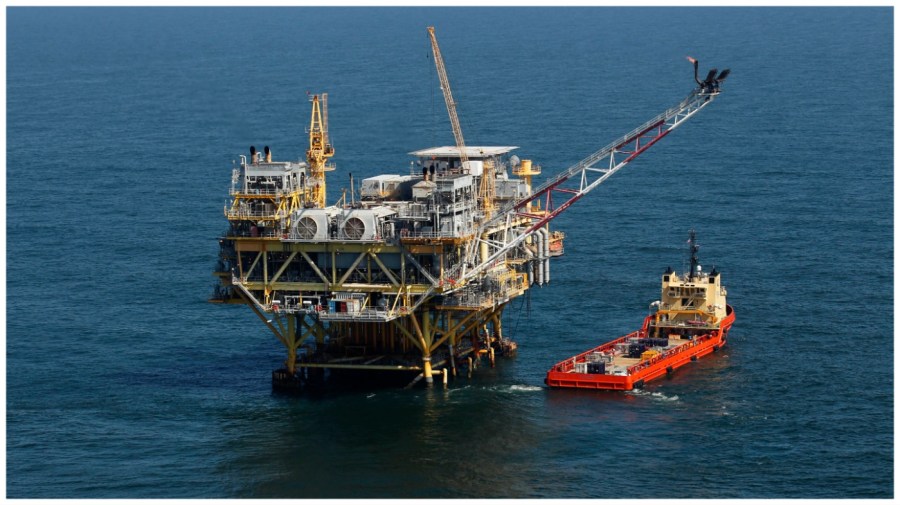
[
  {"x": 486, "y": 191},
  {"x": 320, "y": 149}
]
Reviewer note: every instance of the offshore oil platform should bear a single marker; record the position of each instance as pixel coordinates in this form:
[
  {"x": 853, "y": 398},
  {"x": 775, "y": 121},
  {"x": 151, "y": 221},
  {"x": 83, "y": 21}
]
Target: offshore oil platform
[{"x": 415, "y": 273}]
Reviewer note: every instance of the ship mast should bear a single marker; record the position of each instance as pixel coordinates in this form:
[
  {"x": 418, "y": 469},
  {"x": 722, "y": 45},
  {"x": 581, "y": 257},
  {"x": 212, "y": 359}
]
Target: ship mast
[{"x": 695, "y": 261}]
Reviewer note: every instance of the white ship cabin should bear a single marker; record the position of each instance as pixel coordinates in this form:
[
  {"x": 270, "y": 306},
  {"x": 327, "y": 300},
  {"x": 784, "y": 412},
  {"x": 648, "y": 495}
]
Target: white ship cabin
[{"x": 692, "y": 298}]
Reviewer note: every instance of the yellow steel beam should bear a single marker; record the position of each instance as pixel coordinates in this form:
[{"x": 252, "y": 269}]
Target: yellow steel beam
[
  {"x": 420, "y": 268},
  {"x": 386, "y": 270},
  {"x": 253, "y": 265},
  {"x": 418, "y": 329},
  {"x": 309, "y": 330},
  {"x": 463, "y": 321},
  {"x": 253, "y": 244},
  {"x": 291, "y": 362},
  {"x": 427, "y": 329},
  {"x": 268, "y": 292},
  {"x": 452, "y": 330},
  {"x": 415, "y": 289},
  {"x": 334, "y": 267},
  {"x": 405, "y": 332},
  {"x": 361, "y": 367},
  {"x": 263, "y": 317},
  {"x": 315, "y": 268},
  {"x": 277, "y": 318},
  {"x": 352, "y": 267},
  {"x": 283, "y": 267}
]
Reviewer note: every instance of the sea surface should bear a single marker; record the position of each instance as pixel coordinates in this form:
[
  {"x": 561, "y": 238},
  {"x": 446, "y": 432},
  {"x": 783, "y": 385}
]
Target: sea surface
[{"x": 123, "y": 124}]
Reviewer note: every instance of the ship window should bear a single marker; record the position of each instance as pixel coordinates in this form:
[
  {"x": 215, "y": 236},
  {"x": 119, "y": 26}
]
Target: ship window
[
  {"x": 712, "y": 280},
  {"x": 665, "y": 278},
  {"x": 685, "y": 302}
]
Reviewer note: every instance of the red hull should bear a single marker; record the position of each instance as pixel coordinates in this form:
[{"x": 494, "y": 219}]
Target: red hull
[{"x": 562, "y": 374}]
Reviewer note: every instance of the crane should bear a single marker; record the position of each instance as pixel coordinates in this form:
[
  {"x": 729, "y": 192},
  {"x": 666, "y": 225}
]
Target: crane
[
  {"x": 576, "y": 181},
  {"x": 320, "y": 149},
  {"x": 486, "y": 190}
]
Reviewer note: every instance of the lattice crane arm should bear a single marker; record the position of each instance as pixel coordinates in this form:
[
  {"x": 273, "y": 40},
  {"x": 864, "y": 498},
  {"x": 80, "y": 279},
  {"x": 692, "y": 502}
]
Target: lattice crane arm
[
  {"x": 588, "y": 176},
  {"x": 320, "y": 149},
  {"x": 448, "y": 96}
]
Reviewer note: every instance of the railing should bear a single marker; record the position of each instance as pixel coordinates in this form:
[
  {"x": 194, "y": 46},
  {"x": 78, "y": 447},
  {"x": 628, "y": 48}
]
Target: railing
[
  {"x": 262, "y": 192},
  {"x": 267, "y": 233},
  {"x": 433, "y": 234},
  {"x": 293, "y": 236},
  {"x": 411, "y": 213},
  {"x": 468, "y": 300},
  {"x": 534, "y": 170},
  {"x": 368, "y": 314},
  {"x": 246, "y": 214}
]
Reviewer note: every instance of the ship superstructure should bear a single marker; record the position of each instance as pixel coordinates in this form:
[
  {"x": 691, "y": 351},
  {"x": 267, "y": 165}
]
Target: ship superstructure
[
  {"x": 413, "y": 271},
  {"x": 695, "y": 299}
]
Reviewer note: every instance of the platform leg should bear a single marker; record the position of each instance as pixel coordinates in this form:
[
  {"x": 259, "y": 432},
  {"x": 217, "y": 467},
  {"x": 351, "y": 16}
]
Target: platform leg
[
  {"x": 452, "y": 359},
  {"x": 426, "y": 365}
]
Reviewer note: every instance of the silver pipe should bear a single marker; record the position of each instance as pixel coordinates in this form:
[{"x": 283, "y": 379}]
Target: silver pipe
[
  {"x": 546, "y": 254},
  {"x": 539, "y": 249},
  {"x": 530, "y": 267}
]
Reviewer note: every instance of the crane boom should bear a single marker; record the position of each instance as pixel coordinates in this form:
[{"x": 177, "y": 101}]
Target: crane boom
[
  {"x": 320, "y": 149},
  {"x": 618, "y": 153},
  {"x": 448, "y": 96},
  {"x": 486, "y": 190}
]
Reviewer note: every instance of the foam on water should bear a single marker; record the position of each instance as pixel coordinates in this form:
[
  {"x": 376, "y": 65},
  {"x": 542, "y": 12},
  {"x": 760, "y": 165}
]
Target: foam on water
[
  {"x": 655, "y": 395},
  {"x": 516, "y": 388}
]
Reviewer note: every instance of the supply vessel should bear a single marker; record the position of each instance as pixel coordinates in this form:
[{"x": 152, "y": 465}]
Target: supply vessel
[{"x": 692, "y": 320}]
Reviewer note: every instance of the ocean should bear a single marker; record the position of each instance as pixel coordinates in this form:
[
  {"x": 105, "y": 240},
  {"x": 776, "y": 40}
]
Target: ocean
[{"x": 122, "y": 127}]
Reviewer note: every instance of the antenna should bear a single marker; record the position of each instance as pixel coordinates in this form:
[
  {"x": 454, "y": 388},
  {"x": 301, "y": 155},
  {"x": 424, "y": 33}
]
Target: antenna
[
  {"x": 695, "y": 261},
  {"x": 352, "y": 191}
]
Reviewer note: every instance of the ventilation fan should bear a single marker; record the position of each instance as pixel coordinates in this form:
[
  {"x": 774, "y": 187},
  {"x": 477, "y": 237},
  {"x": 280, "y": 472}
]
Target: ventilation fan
[
  {"x": 307, "y": 228},
  {"x": 354, "y": 228}
]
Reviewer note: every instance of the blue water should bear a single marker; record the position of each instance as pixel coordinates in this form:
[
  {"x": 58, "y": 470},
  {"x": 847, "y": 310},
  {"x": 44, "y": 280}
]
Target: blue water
[{"x": 122, "y": 127}]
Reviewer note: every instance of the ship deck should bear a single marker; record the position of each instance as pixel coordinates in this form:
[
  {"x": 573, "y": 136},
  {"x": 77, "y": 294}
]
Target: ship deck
[
  {"x": 633, "y": 359},
  {"x": 621, "y": 363}
]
